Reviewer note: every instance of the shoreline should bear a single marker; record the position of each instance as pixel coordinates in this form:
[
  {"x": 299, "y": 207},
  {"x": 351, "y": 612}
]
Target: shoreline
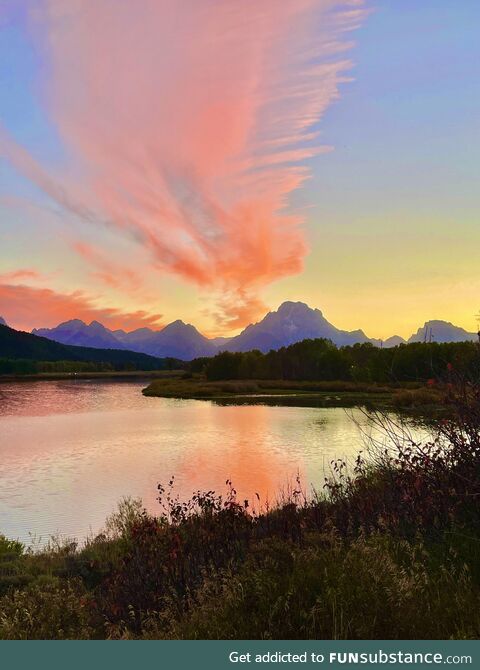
[{"x": 120, "y": 376}]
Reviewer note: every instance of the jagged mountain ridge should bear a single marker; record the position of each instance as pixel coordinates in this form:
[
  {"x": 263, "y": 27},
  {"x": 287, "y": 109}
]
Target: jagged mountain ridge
[
  {"x": 292, "y": 322},
  {"x": 79, "y": 334},
  {"x": 177, "y": 340}
]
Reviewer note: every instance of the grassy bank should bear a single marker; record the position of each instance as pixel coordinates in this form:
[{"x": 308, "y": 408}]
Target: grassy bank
[
  {"x": 388, "y": 550},
  {"x": 407, "y": 395}
]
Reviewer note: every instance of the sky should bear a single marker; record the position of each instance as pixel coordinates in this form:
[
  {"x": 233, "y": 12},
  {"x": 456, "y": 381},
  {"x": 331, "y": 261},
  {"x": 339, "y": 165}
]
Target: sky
[{"x": 205, "y": 161}]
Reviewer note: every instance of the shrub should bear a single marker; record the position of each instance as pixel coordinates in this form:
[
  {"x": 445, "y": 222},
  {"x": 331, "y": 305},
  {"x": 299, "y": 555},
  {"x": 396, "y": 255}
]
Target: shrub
[
  {"x": 10, "y": 548},
  {"x": 372, "y": 588},
  {"x": 52, "y": 610}
]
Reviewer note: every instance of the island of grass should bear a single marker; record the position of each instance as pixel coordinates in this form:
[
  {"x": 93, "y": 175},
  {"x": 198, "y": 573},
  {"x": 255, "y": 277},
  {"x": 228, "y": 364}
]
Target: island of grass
[{"x": 319, "y": 394}]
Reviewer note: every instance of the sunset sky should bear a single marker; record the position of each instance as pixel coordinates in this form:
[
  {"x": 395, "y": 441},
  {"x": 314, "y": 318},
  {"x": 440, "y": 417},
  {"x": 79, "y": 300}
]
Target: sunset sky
[{"x": 207, "y": 160}]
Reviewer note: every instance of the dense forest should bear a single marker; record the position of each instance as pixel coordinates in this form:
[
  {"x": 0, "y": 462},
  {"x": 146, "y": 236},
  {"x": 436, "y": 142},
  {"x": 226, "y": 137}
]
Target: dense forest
[
  {"x": 321, "y": 360},
  {"x": 23, "y": 353}
]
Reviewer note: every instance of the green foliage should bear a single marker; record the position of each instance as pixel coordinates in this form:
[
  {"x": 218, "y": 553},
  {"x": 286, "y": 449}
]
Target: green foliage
[
  {"x": 321, "y": 360},
  {"x": 10, "y": 547},
  {"x": 120, "y": 524},
  {"x": 51, "y": 610}
]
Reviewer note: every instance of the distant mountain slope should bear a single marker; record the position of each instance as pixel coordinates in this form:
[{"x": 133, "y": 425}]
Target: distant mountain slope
[
  {"x": 3, "y": 322},
  {"x": 15, "y": 344},
  {"x": 292, "y": 322},
  {"x": 78, "y": 333},
  {"x": 134, "y": 338},
  {"x": 394, "y": 341},
  {"x": 441, "y": 331},
  {"x": 177, "y": 340},
  {"x": 220, "y": 341}
]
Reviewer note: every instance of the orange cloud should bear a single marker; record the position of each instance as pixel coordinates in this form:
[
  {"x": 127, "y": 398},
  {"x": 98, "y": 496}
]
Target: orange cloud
[
  {"x": 19, "y": 304},
  {"x": 235, "y": 309},
  {"x": 112, "y": 274},
  {"x": 24, "y": 273},
  {"x": 188, "y": 125}
]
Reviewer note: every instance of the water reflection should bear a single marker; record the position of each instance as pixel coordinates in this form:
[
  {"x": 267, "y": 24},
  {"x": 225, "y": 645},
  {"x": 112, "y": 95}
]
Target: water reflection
[{"x": 70, "y": 450}]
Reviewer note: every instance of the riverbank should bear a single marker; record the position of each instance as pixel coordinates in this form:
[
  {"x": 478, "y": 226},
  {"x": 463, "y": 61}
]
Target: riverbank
[
  {"x": 112, "y": 374},
  {"x": 224, "y": 568},
  {"x": 408, "y": 395}
]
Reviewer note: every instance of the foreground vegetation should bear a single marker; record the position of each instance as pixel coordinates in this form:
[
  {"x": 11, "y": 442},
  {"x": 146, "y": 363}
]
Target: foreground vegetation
[{"x": 390, "y": 549}]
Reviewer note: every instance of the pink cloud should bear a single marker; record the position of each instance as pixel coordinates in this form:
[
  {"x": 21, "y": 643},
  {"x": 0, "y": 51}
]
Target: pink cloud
[
  {"x": 235, "y": 309},
  {"x": 17, "y": 275},
  {"x": 110, "y": 273},
  {"x": 24, "y": 307},
  {"x": 188, "y": 125}
]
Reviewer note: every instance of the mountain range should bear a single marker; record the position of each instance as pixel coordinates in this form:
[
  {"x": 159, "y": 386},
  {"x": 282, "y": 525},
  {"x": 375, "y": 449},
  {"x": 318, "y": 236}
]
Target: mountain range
[
  {"x": 292, "y": 322},
  {"x": 177, "y": 340}
]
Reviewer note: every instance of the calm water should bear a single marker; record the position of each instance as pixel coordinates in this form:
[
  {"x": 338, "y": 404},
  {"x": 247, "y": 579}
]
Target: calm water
[{"x": 70, "y": 450}]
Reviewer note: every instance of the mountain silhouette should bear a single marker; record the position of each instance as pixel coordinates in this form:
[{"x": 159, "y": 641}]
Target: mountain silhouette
[
  {"x": 177, "y": 340},
  {"x": 441, "y": 331},
  {"x": 78, "y": 333},
  {"x": 394, "y": 341},
  {"x": 290, "y": 323}
]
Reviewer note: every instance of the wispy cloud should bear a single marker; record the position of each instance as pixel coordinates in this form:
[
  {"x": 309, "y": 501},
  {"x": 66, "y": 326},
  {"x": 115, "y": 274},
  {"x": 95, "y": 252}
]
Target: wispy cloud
[
  {"x": 188, "y": 125},
  {"x": 19, "y": 275},
  {"x": 111, "y": 273}
]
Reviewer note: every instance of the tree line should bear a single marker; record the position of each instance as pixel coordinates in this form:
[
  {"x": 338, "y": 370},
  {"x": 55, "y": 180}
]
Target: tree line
[
  {"x": 21, "y": 366},
  {"x": 321, "y": 360}
]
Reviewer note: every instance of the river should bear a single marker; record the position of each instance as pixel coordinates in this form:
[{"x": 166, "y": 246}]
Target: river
[{"x": 70, "y": 450}]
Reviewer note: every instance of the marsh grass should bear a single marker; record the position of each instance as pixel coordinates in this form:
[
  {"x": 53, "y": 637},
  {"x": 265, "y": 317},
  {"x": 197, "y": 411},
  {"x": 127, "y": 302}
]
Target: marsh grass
[{"x": 335, "y": 393}]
